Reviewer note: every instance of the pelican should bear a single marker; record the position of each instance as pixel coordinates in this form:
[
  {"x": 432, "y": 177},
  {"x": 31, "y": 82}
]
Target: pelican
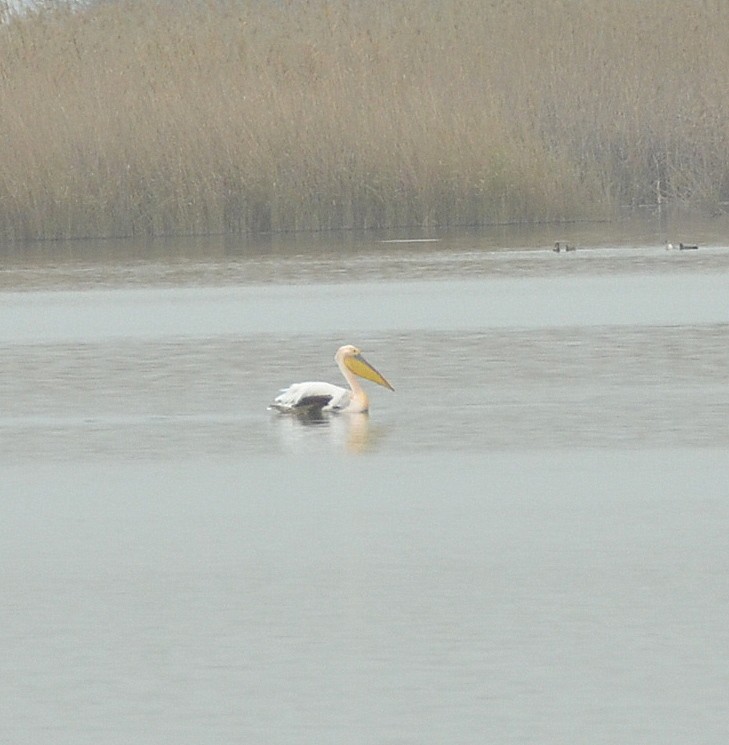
[{"x": 307, "y": 398}]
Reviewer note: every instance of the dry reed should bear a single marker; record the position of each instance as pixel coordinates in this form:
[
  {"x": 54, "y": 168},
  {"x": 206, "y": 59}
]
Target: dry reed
[{"x": 160, "y": 117}]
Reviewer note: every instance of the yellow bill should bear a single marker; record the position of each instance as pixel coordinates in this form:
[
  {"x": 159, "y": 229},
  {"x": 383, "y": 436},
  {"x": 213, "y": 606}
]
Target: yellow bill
[{"x": 359, "y": 366}]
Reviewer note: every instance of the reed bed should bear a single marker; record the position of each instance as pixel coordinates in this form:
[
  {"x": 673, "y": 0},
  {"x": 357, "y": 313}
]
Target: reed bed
[{"x": 154, "y": 117}]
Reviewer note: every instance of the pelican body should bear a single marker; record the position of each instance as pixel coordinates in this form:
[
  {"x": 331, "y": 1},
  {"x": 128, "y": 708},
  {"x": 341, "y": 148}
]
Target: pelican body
[{"x": 314, "y": 397}]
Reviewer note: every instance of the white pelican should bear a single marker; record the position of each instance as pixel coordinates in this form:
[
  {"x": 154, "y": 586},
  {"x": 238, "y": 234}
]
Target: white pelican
[{"x": 307, "y": 398}]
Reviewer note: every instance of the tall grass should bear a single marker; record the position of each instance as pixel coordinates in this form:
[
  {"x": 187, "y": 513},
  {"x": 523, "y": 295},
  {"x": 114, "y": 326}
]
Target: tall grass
[{"x": 194, "y": 116}]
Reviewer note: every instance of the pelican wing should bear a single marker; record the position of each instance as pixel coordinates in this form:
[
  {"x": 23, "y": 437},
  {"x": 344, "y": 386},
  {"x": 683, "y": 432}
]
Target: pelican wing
[{"x": 310, "y": 396}]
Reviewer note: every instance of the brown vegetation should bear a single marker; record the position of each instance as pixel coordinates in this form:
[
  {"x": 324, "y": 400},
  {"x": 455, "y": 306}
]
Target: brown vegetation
[{"x": 196, "y": 116}]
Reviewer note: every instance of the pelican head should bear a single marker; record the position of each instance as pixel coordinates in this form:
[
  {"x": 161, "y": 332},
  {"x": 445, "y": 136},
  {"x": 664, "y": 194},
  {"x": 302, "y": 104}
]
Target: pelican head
[{"x": 350, "y": 358}]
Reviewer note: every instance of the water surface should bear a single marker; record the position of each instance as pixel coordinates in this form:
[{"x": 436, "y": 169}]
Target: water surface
[{"x": 525, "y": 543}]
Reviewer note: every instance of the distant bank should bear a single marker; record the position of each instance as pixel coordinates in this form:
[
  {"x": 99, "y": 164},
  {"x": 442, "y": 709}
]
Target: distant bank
[{"x": 216, "y": 116}]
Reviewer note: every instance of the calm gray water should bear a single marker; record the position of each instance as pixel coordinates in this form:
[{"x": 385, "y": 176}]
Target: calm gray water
[{"x": 525, "y": 543}]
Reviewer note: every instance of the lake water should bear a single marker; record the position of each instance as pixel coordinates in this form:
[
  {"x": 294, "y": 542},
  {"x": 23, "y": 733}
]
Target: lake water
[{"x": 525, "y": 543}]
